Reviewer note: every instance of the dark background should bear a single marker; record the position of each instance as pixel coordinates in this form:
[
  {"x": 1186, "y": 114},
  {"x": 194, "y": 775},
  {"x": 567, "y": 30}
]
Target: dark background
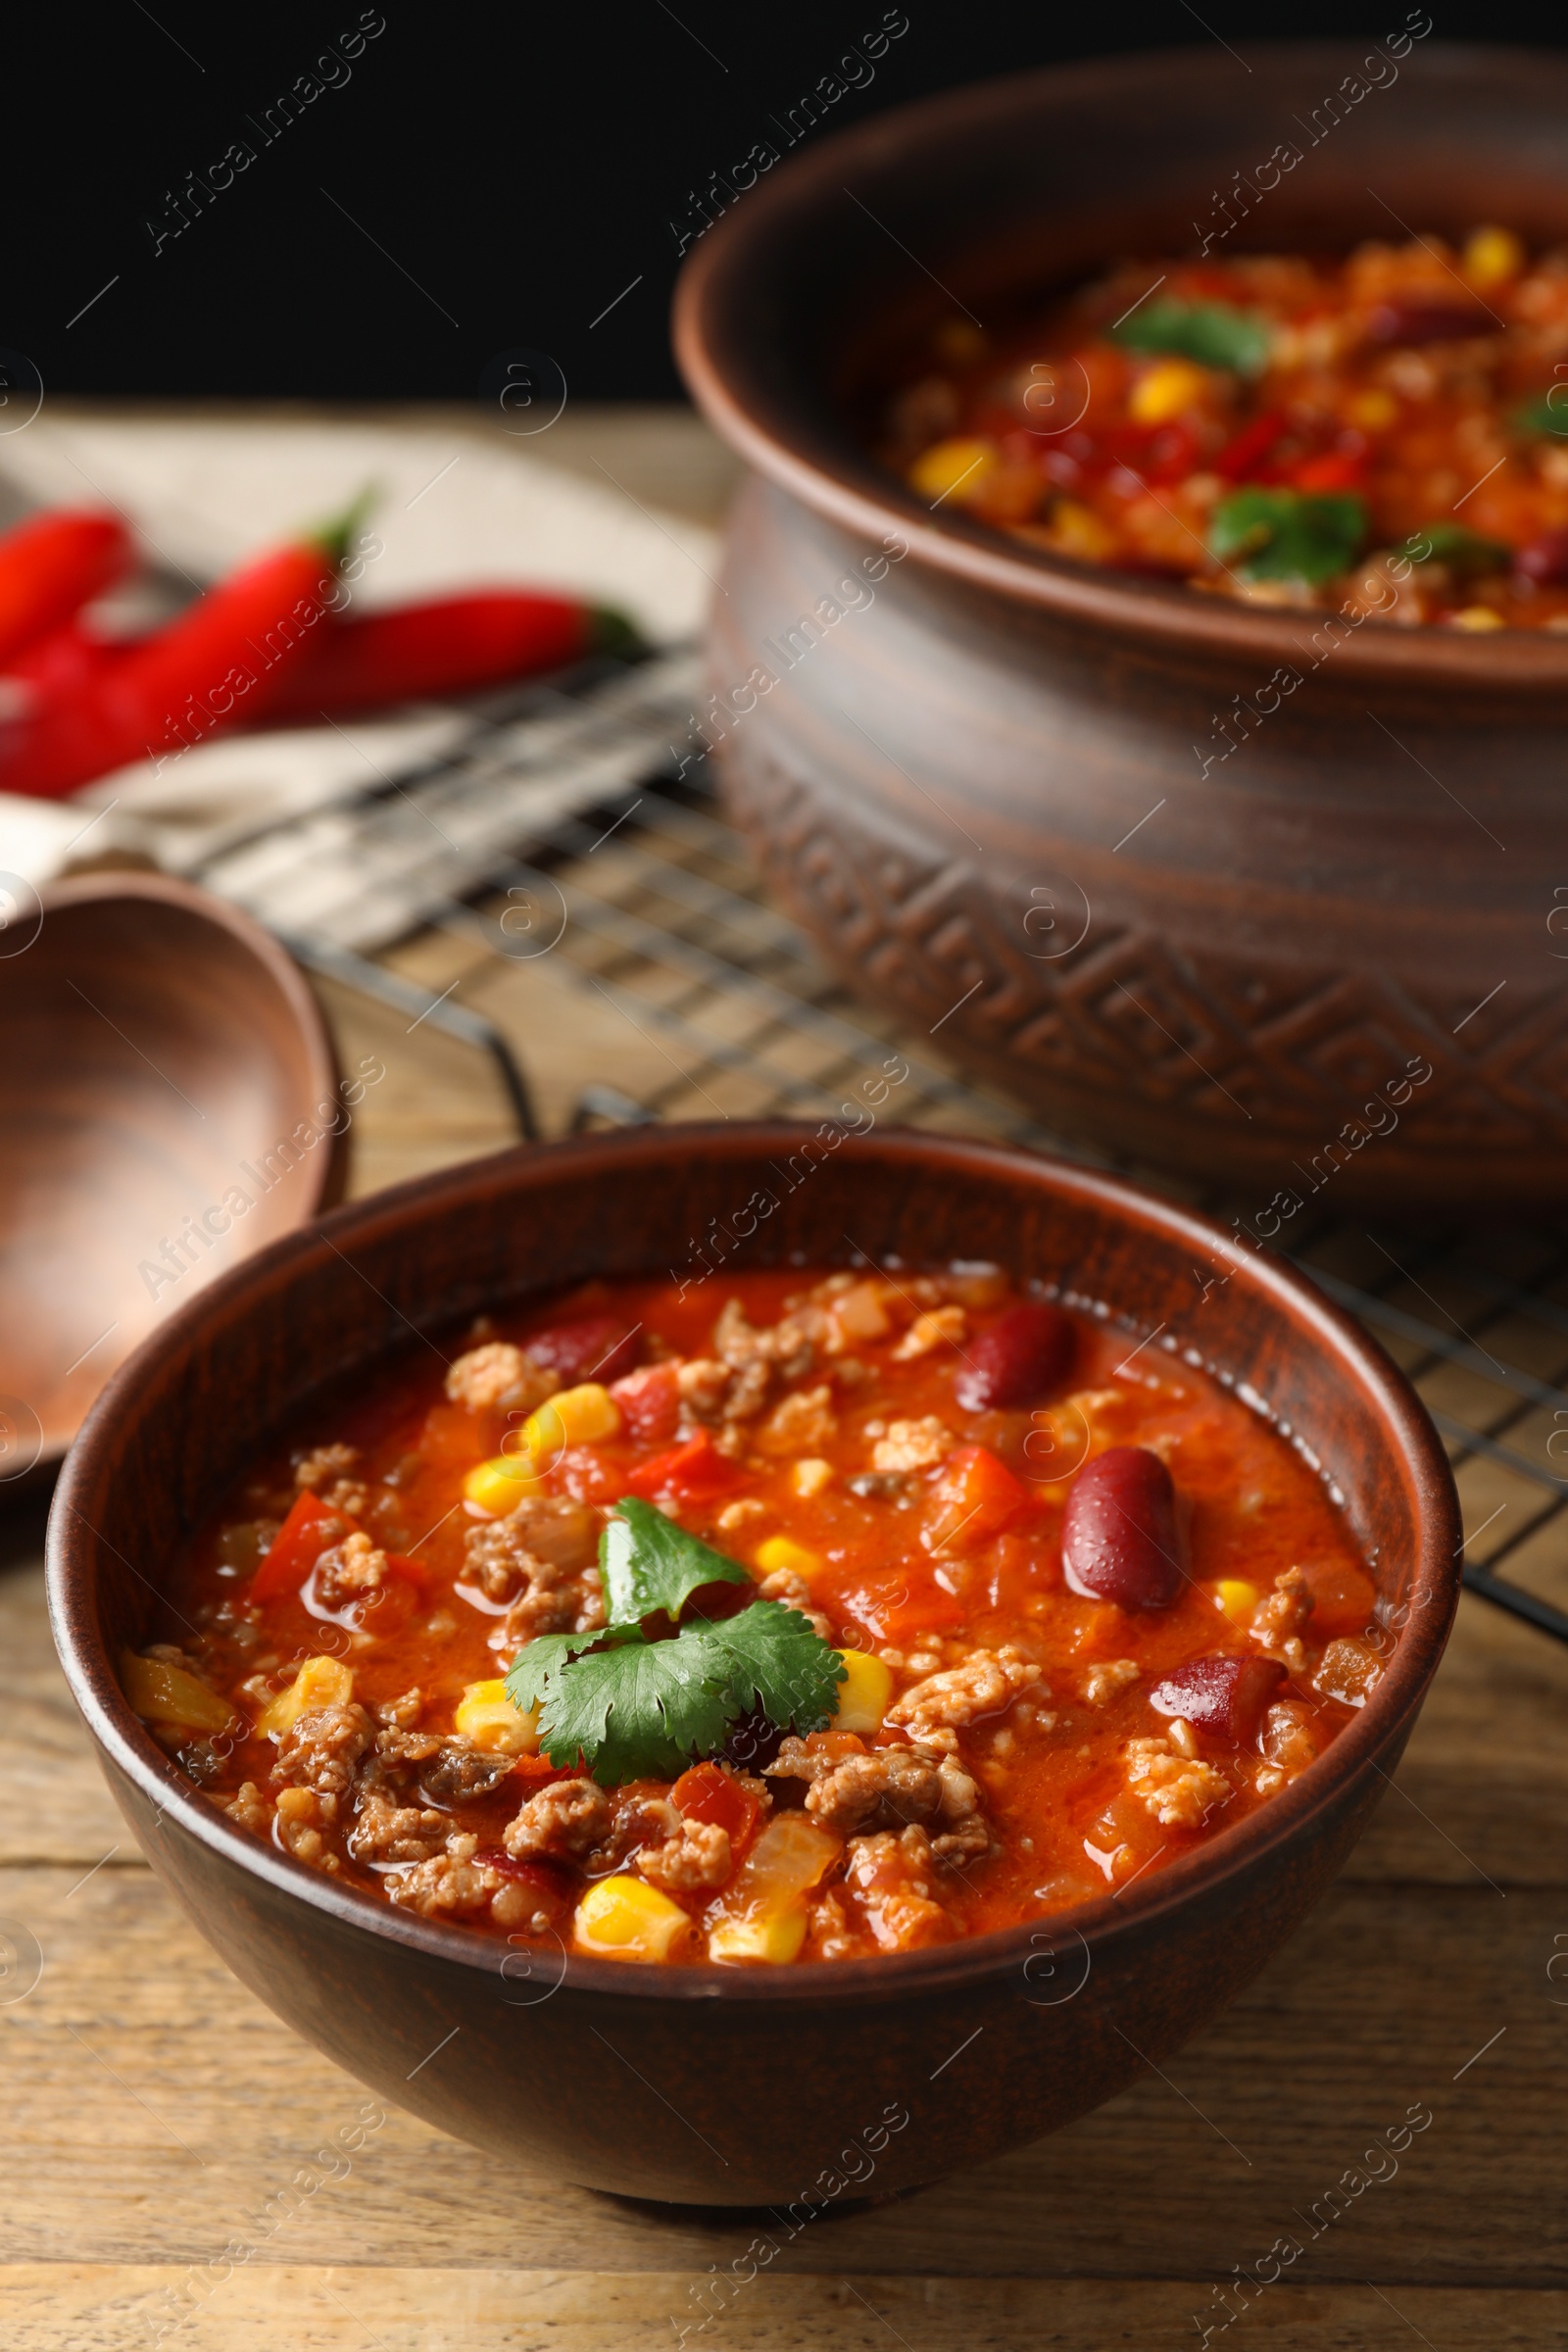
[{"x": 483, "y": 180}]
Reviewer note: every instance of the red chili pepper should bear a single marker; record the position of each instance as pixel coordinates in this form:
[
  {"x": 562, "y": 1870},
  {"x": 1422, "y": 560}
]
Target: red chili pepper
[
  {"x": 50, "y": 567},
  {"x": 1251, "y": 444},
  {"x": 311, "y": 1526},
  {"x": 222, "y": 661},
  {"x": 696, "y": 1468},
  {"x": 455, "y": 647}
]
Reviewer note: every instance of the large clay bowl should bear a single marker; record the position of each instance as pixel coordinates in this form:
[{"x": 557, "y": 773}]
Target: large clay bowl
[
  {"x": 163, "y": 1064},
  {"x": 978, "y": 777},
  {"x": 702, "y": 2084}
]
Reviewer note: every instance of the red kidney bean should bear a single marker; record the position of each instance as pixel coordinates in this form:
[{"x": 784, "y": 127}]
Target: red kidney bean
[
  {"x": 1428, "y": 318},
  {"x": 1016, "y": 1358},
  {"x": 1546, "y": 559},
  {"x": 595, "y": 1348},
  {"x": 1226, "y": 1694},
  {"x": 1118, "y": 1531}
]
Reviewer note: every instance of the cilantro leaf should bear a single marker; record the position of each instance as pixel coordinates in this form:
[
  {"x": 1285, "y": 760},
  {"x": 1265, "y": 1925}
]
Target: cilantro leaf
[
  {"x": 641, "y": 1710},
  {"x": 776, "y": 1664},
  {"x": 1209, "y": 332},
  {"x": 1465, "y": 551},
  {"x": 1287, "y": 534},
  {"x": 647, "y": 1563}
]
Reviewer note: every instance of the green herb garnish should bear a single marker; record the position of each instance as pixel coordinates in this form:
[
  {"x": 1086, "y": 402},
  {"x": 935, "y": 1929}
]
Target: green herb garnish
[
  {"x": 1465, "y": 551},
  {"x": 635, "y": 1709},
  {"x": 1546, "y": 413},
  {"x": 1287, "y": 534},
  {"x": 1209, "y": 332}
]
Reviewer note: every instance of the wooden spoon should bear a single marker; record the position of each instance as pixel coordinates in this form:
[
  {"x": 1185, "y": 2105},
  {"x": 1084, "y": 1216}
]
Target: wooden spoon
[{"x": 169, "y": 1103}]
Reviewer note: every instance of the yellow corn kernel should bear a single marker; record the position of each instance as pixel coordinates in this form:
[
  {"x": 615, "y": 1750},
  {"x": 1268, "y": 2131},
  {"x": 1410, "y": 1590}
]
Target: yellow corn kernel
[
  {"x": 163, "y": 1694},
  {"x": 1491, "y": 256},
  {"x": 783, "y": 1552},
  {"x": 810, "y": 1476},
  {"x": 1477, "y": 617},
  {"x": 864, "y": 1693},
  {"x": 320, "y": 1683},
  {"x": 499, "y": 1484},
  {"x": 1170, "y": 388},
  {"x": 1077, "y": 530},
  {"x": 956, "y": 468},
  {"x": 1372, "y": 409},
  {"x": 763, "y": 1917},
  {"x": 577, "y": 1416},
  {"x": 486, "y": 1716},
  {"x": 759, "y": 1935},
  {"x": 1237, "y": 1597},
  {"x": 626, "y": 1919}
]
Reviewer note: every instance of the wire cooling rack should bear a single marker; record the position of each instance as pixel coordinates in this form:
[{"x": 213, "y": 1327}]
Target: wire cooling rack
[{"x": 568, "y": 822}]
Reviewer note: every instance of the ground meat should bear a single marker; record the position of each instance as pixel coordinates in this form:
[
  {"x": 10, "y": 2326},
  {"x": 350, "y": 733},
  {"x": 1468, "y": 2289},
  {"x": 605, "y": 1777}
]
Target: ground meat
[
  {"x": 1288, "y": 1738},
  {"x": 890, "y": 1787},
  {"x": 829, "y": 1930},
  {"x": 448, "y": 1884},
  {"x": 790, "y": 1587},
  {"x": 401, "y": 1714},
  {"x": 499, "y": 1378},
  {"x": 944, "y": 1327},
  {"x": 800, "y": 1423},
  {"x": 788, "y": 1346},
  {"x": 1278, "y": 1620},
  {"x": 736, "y": 1514},
  {"x": 540, "y": 1558},
  {"x": 320, "y": 1750},
  {"x": 250, "y": 1810},
  {"x": 932, "y": 1711},
  {"x": 891, "y": 1880},
  {"x": 703, "y": 1383},
  {"x": 349, "y": 1571},
  {"x": 323, "y": 1464},
  {"x": 461, "y": 1772},
  {"x": 561, "y": 1822},
  {"x": 385, "y": 1830},
  {"x": 697, "y": 1855},
  {"x": 1108, "y": 1680},
  {"x": 912, "y": 1444},
  {"x": 1180, "y": 1791},
  {"x": 397, "y": 1748},
  {"x": 300, "y": 1814}
]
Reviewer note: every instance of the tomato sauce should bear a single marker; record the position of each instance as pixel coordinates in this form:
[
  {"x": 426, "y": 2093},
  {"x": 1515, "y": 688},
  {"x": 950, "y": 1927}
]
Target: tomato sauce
[
  {"x": 1384, "y": 435},
  {"x": 1088, "y": 1609}
]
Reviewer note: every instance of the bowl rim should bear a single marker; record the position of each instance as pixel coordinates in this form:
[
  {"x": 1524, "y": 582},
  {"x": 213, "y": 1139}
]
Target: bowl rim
[
  {"x": 871, "y": 505},
  {"x": 971, "y": 1960},
  {"x": 103, "y": 884}
]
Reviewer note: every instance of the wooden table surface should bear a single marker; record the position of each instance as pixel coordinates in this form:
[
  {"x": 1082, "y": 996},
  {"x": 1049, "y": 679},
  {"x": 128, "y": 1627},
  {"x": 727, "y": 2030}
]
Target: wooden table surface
[{"x": 159, "y": 2123}]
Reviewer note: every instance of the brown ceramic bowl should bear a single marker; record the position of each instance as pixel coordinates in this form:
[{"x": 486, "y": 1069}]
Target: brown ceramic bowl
[
  {"x": 702, "y": 2083},
  {"x": 163, "y": 1058},
  {"x": 984, "y": 790}
]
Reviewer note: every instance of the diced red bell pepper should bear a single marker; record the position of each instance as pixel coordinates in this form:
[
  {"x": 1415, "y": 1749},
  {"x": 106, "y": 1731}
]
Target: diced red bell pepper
[
  {"x": 539, "y": 1772},
  {"x": 914, "y": 1603},
  {"x": 412, "y": 1572},
  {"x": 974, "y": 1499},
  {"x": 704, "y": 1793},
  {"x": 693, "y": 1470},
  {"x": 1334, "y": 471},
  {"x": 650, "y": 1404},
  {"x": 1251, "y": 445},
  {"x": 310, "y": 1528}
]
